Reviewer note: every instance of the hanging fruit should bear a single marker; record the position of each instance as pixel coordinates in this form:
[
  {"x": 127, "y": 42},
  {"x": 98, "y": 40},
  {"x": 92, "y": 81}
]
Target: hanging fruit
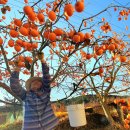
[
  {"x": 69, "y": 9},
  {"x": 79, "y": 6},
  {"x": 52, "y": 15}
]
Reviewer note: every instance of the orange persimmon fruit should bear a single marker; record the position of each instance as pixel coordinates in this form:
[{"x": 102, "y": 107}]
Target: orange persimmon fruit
[
  {"x": 52, "y": 36},
  {"x": 13, "y": 33},
  {"x": 76, "y": 38},
  {"x": 69, "y": 9},
  {"x": 11, "y": 43},
  {"x": 52, "y": 15},
  {"x": 99, "y": 52},
  {"x": 123, "y": 58},
  {"x": 40, "y": 17},
  {"x": 81, "y": 36},
  {"x": 24, "y": 31},
  {"x": 17, "y": 48},
  {"x": 79, "y": 6},
  {"x": 1, "y": 41},
  {"x": 27, "y": 10},
  {"x": 17, "y": 22},
  {"x": 111, "y": 47},
  {"x": 34, "y": 32},
  {"x": 58, "y": 31}
]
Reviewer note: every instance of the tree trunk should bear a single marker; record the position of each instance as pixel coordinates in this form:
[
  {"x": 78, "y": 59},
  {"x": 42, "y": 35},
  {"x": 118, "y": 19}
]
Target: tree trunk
[
  {"x": 121, "y": 114},
  {"x": 14, "y": 112},
  {"x": 107, "y": 113}
]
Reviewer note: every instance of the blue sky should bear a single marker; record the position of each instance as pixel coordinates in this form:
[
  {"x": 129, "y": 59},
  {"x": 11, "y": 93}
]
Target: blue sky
[{"x": 91, "y": 7}]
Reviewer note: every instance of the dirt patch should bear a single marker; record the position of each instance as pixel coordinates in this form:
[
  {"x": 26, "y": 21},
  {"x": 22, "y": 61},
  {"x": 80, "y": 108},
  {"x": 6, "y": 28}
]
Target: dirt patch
[{"x": 95, "y": 121}]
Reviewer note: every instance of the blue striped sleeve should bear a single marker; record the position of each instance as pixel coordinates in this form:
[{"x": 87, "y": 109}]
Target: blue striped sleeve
[
  {"x": 16, "y": 87},
  {"x": 46, "y": 77}
]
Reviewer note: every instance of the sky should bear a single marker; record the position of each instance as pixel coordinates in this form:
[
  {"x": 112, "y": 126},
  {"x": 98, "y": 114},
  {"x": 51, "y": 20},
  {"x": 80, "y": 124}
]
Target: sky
[{"x": 92, "y": 7}]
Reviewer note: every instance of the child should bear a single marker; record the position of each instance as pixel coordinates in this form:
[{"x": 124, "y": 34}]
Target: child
[{"x": 38, "y": 113}]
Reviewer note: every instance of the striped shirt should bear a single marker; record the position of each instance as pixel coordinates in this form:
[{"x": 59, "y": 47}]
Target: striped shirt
[{"x": 38, "y": 113}]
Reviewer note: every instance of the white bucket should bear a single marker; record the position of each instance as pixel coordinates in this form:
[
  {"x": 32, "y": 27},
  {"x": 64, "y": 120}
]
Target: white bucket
[{"x": 77, "y": 115}]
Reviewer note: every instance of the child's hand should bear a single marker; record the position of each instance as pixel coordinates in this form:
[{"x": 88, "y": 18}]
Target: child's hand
[
  {"x": 43, "y": 61},
  {"x": 40, "y": 56},
  {"x": 16, "y": 67},
  {"x": 16, "y": 63}
]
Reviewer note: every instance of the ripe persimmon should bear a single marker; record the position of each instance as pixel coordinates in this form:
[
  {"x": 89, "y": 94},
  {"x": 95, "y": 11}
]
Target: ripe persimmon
[
  {"x": 21, "y": 58},
  {"x": 19, "y": 42},
  {"x": 1, "y": 41},
  {"x": 32, "y": 16},
  {"x": 123, "y": 58},
  {"x": 34, "y": 32},
  {"x": 116, "y": 45},
  {"x": 111, "y": 47},
  {"x": 35, "y": 45},
  {"x": 3, "y": 1},
  {"x": 69, "y": 9},
  {"x": 76, "y": 38},
  {"x": 99, "y": 52},
  {"x": 11, "y": 43},
  {"x": 13, "y": 33},
  {"x": 58, "y": 31},
  {"x": 17, "y": 48},
  {"x": 81, "y": 36},
  {"x": 28, "y": 46},
  {"x": 101, "y": 70},
  {"x": 71, "y": 33},
  {"x": 52, "y": 15},
  {"x": 27, "y": 10},
  {"x": 79, "y": 6},
  {"x": 21, "y": 64},
  {"x": 52, "y": 36},
  {"x": 26, "y": 25},
  {"x": 26, "y": 1},
  {"x": 17, "y": 22},
  {"x": 24, "y": 44},
  {"x": 29, "y": 59},
  {"x": 88, "y": 56},
  {"x": 87, "y": 36},
  {"x": 23, "y": 31},
  {"x": 40, "y": 17}
]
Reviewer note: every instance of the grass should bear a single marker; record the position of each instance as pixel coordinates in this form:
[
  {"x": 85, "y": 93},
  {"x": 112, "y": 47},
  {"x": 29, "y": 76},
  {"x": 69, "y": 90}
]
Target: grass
[{"x": 12, "y": 126}]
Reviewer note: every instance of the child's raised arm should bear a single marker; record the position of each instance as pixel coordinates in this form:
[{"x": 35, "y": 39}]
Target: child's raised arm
[
  {"x": 45, "y": 71},
  {"x": 46, "y": 76},
  {"x": 15, "y": 85}
]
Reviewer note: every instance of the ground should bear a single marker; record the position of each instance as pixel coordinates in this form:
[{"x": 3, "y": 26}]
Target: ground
[
  {"x": 95, "y": 117},
  {"x": 95, "y": 121}
]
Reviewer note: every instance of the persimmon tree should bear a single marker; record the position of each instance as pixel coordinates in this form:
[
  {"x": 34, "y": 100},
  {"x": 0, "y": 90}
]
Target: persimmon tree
[{"x": 80, "y": 59}]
